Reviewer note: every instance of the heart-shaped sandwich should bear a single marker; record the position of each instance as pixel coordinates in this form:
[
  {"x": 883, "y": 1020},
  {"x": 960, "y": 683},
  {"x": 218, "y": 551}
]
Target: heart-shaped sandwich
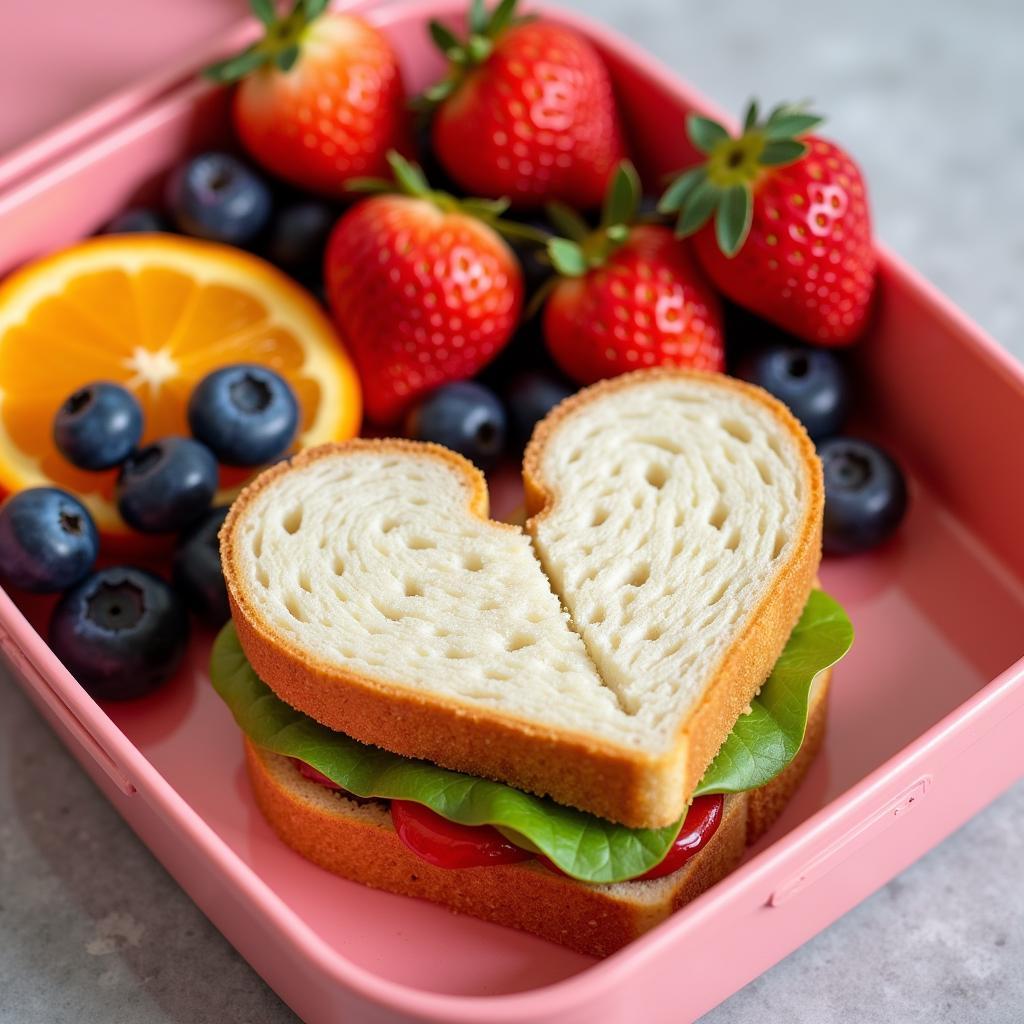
[
  {"x": 677, "y": 517},
  {"x": 600, "y": 659}
]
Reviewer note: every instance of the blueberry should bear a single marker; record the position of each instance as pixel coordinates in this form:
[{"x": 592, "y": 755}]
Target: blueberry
[
  {"x": 465, "y": 416},
  {"x": 530, "y": 397},
  {"x": 216, "y": 196},
  {"x": 197, "y": 570},
  {"x": 121, "y": 632},
  {"x": 48, "y": 540},
  {"x": 865, "y": 495},
  {"x": 136, "y": 219},
  {"x": 98, "y": 426},
  {"x": 298, "y": 235},
  {"x": 813, "y": 382},
  {"x": 246, "y": 414},
  {"x": 167, "y": 485}
]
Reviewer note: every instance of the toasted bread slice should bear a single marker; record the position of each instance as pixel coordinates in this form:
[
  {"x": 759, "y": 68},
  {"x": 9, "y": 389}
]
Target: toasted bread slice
[
  {"x": 371, "y": 591},
  {"x": 678, "y": 516},
  {"x": 359, "y": 842}
]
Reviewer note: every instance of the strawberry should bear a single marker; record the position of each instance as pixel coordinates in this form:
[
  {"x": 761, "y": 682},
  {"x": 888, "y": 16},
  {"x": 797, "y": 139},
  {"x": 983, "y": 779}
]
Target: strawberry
[
  {"x": 319, "y": 99},
  {"x": 422, "y": 288},
  {"x": 631, "y": 295},
  {"x": 791, "y": 234},
  {"x": 526, "y": 111}
]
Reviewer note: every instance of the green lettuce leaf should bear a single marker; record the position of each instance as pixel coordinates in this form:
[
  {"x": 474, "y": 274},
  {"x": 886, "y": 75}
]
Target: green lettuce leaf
[
  {"x": 583, "y": 846},
  {"x": 764, "y": 741}
]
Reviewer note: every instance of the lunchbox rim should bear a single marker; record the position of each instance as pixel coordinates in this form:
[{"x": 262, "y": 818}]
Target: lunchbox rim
[{"x": 602, "y": 975}]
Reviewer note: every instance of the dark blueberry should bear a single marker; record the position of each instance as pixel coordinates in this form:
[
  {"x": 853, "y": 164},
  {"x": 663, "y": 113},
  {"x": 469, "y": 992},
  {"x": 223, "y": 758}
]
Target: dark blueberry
[
  {"x": 298, "y": 235},
  {"x": 98, "y": 426},
  {"x": 167, "y": 485},
  {"x": 48, "y": 540},
  {"x": 530, "y": 397},
  {"x": 465, "y": 416},
  {"x": 197, "y": 569},
  {"x": 246, "y": 414},
  {"x": 136, "y": 219},
  {"x": 121, "y": 632},
  {"x": 865, "y": 495},
  {"x": 813, "y": 382},
  {"x": 216, "y": 196}
]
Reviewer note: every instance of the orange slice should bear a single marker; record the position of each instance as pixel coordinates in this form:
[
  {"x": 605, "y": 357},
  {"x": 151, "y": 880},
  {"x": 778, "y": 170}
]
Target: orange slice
[{"x": 155, "y": 313}]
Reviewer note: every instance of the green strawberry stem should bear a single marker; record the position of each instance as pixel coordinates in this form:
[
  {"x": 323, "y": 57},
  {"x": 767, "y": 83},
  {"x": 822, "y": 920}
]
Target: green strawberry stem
[
  {"x": 464, "y": 55},
  {"x": 409, "y": 180},
  {"x": 579, "y": 248},
  {"x": 280, "y": 45},
  {"x": 723, "y": 185},
  {"x": 583, "y": 249}
]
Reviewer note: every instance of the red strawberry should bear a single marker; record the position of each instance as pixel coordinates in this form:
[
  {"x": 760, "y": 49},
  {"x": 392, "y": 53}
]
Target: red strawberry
[
  {"x": 320, "y": 97},
  {"x": 422, "y": 288},
  {"x": 791, "y": 238},
  {"x": 632, "y": 297},
  {"x": 526, "y": 111}
]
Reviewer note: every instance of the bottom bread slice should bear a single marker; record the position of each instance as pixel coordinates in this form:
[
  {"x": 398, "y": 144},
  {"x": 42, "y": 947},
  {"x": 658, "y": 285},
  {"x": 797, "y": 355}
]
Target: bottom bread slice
[{"x": 358, "y": 842}]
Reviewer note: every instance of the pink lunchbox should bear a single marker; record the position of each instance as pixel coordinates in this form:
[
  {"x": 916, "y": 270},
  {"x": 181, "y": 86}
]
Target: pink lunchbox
[{"x": 927, "y": 713}]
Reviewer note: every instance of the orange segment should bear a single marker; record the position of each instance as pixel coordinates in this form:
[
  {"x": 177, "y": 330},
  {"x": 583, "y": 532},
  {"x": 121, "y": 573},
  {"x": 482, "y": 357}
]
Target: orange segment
[{"x": 155, "y": 313}]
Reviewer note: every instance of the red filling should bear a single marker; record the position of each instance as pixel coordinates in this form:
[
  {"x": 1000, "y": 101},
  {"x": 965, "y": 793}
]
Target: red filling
[
  {"x": 307, "y": 771},
  {"x": 446, "y": 844}
]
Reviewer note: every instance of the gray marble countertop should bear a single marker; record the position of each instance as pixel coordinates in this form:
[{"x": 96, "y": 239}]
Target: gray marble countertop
[{"x": 927, "y": 96}]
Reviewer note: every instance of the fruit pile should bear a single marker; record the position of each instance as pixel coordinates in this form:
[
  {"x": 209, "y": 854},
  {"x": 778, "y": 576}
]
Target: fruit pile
[{"x": 482, "y": 250}]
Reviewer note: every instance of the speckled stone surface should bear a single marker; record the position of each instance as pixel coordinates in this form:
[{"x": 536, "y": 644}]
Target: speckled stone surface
[{"x": 926, "y": 94}]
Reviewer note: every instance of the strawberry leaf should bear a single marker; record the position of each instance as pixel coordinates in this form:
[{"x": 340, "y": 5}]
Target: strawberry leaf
[
  {"x": 312, "y": 8},
  {"x": 434, "y": 95},
  {"x": 501, "y": 18},
  {"x": 512, "y": 228},
  {"x": 567, "y": 257},
  {"x": 679, "y": 191},
  {"x": 567, "y": 221},
  {"x": 732, "y": 220},
  {"x": 478, "y": 16},
  {"x": 264, "y": 10},
  {"x": 788, "y": 126},
  {"x": 444, "y": 37},
  {"x": 699, "y": 206},
  {"x": 409, "y": 177},
  {"x": 372, "y": 186},
  {"x": 485, "y": 208},
  {"x": 783, "y": 151},
  {"x": 750, "y": 117},
  {"x": 704, "y": 133},
  {"x": 623, "y": 197},
  {"x": 236, "y": 67},
  {"x": 285, "y": 59}
]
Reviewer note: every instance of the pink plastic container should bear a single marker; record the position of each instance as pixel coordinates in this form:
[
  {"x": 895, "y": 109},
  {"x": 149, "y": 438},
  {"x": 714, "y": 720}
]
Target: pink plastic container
[{"x": 927, "y": 712}]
